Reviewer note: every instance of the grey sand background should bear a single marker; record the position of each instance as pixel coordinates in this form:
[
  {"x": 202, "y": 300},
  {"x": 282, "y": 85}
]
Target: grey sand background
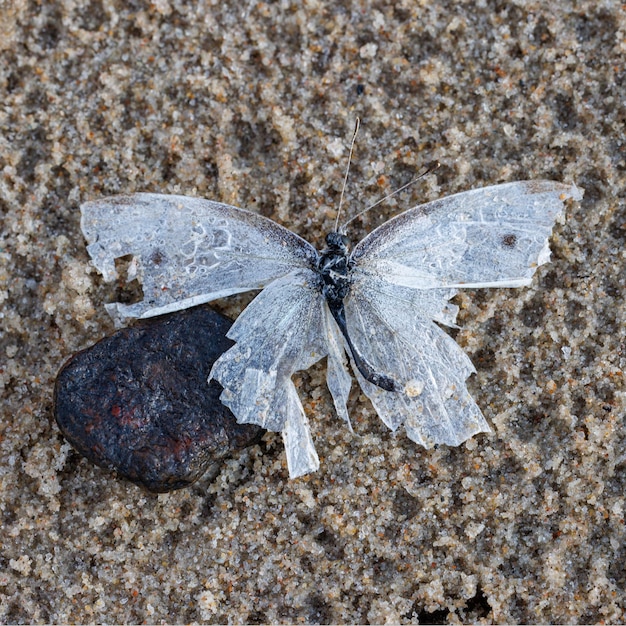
[{"x": 253, "y": 104}]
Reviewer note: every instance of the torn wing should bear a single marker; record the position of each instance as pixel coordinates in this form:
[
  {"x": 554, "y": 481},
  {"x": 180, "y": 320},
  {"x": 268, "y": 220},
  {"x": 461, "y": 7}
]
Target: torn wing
[
  {"x": 392, "y": 327},
  {"x": 187, "y": 251},
  {"x": 491, "y": 237},
  {"x": 405, "y": 272},
  {"x": 281, "y": 331}
]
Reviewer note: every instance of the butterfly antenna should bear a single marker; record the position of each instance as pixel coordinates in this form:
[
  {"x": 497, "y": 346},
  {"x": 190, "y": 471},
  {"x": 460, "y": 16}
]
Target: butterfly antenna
[
  {"x": 431, "y": 168},
  {"x": 345, "y": 178}
]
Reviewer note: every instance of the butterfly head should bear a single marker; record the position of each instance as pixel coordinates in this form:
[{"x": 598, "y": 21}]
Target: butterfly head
[{"x": 337, "y": 242}]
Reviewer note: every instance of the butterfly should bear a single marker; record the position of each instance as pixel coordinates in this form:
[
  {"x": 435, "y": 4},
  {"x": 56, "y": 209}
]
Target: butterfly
[{"x": 374, "y": 305}]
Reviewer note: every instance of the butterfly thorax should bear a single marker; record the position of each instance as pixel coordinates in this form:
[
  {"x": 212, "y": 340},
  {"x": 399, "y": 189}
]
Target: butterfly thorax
[{"x": 334, "y": 268}]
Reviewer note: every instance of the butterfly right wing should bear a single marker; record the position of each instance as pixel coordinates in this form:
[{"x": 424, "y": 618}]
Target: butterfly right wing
[
  {"x": 404, "y": 273},
  {"x": 393, "y": 328},
  {"x": 187, "y": 251},
  {"x": 491, "y": 237}
]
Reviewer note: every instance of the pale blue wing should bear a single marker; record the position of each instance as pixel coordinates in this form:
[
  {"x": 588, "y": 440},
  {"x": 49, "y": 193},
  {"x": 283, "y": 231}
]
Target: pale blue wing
[
  {"x": 491, "y": 237},
  {"x": 396, "y": 336},
  {"x": 188, "y": 250},
  {"x": 280, "y": 332}
]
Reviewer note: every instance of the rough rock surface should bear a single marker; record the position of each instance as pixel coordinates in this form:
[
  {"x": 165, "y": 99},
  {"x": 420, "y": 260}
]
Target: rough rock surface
[{"x": 138, "y": 401}]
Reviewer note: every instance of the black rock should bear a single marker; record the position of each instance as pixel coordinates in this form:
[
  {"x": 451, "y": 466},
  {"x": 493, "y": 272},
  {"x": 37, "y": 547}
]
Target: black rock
[{"x": 138, "y": 402}]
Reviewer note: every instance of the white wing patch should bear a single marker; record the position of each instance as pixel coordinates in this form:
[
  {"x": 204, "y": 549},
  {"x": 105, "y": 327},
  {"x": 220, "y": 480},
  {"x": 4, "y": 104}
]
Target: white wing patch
[
  {"x": 338, "y": 379},
  {"x": 491, "y": 237},
  {"x": 188, "y": 250},
  {"x": 430, "y": 369},
  {"x": 280, "y": 332}
]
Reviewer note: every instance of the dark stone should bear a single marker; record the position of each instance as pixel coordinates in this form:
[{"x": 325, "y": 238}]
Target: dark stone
[{"x": 138, "y": 402}]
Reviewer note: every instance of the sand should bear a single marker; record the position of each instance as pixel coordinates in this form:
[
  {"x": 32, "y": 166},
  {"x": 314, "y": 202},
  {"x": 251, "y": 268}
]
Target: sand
[{"x": 254, "y": 104}]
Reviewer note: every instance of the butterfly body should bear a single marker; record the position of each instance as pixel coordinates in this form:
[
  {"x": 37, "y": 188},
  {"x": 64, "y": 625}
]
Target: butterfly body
[
  {"x": 334, "y": 268},
  {"x": 377, "y": 303}
]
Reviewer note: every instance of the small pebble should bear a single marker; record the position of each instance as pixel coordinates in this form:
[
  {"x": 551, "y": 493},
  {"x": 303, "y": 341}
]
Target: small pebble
[{"x": 138, "y": 402}]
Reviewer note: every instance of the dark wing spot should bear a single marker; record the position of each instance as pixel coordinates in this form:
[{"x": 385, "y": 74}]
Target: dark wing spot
[
  {"x": 157, "y": 257},
  {"x": 509, "y": 241}
]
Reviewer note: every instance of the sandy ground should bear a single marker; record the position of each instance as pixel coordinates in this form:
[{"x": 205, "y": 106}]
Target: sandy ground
[{"x": 253, "y": 104}]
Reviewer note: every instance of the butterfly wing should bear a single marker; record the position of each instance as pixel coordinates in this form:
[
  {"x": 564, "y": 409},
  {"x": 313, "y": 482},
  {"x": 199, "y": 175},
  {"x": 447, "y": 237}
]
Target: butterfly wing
[
  {"x": 392, "y": 327},
  {"x": 188, "y": 250},
  {"x": 280, "y": 332},
  {"x": 491, "y": 237},
  {"x": 406, "y": 271}
]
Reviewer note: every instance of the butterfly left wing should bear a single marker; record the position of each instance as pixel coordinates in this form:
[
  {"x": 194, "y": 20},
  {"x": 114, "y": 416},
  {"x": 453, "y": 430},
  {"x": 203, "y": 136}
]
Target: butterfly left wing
[
  {"x": 281, "y": 331},
  {"x": 286, "y": 328},
  {"x": 188, "y": 251}
]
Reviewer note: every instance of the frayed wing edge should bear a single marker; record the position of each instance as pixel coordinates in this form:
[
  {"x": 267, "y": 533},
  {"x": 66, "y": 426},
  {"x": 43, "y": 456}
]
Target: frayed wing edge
[{"x": 301, "y": 455}]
